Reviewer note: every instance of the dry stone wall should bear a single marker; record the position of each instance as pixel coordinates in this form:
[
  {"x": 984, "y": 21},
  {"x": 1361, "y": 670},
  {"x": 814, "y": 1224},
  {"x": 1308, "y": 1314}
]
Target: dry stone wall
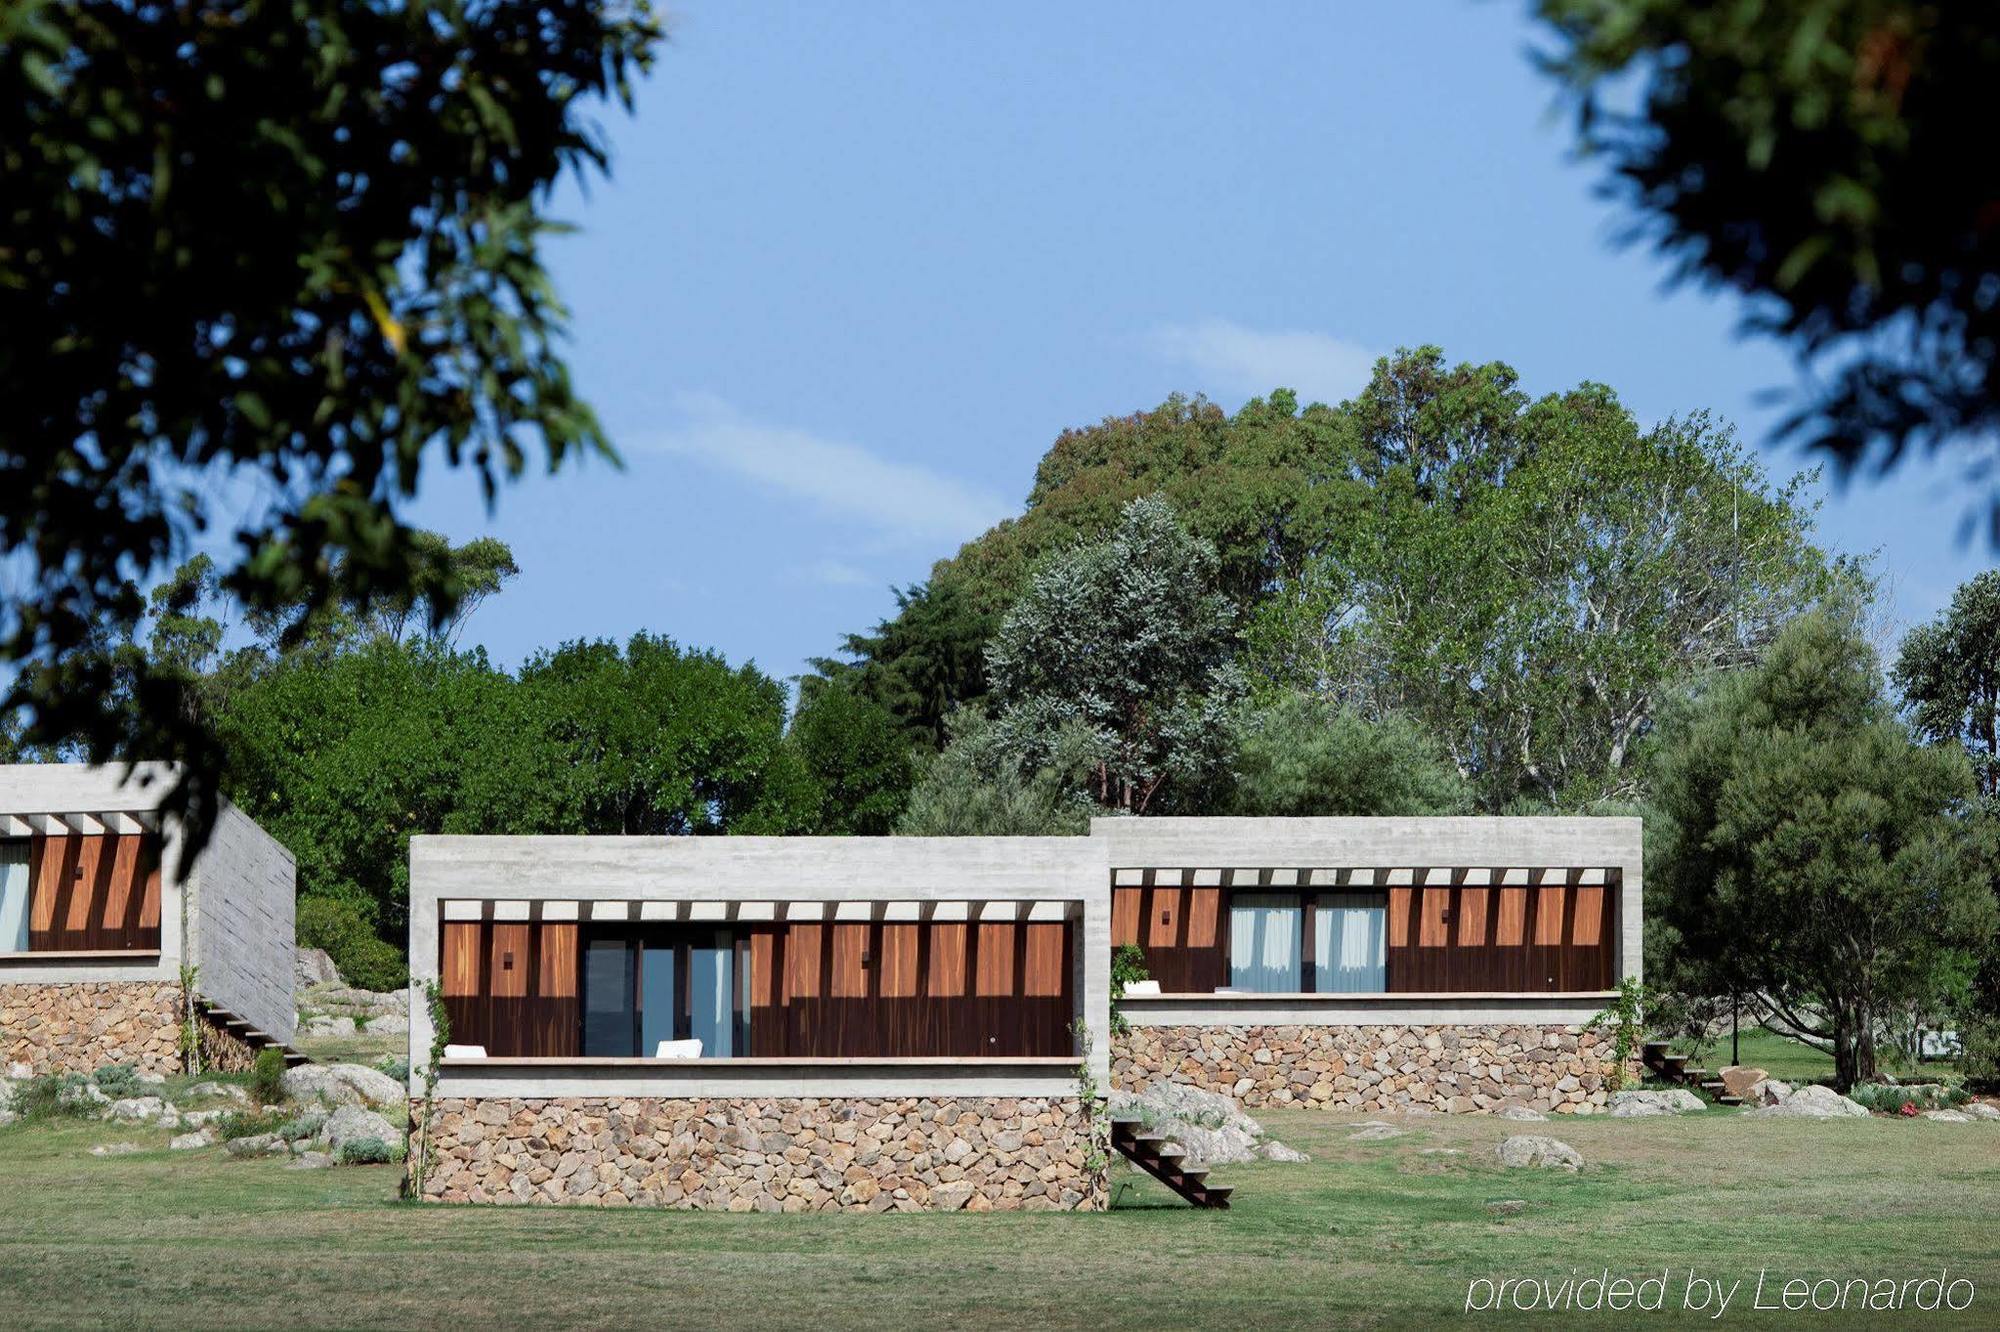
[
  {"x": 80, "y": 1026},
  {"x": 1463, "y": 1069},
  {"x": 766, "y": 1154}
]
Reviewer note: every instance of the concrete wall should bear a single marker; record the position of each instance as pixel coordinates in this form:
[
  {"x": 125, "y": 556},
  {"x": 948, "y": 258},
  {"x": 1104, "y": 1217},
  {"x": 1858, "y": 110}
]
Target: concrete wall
[{"x": 242, "y": 911}]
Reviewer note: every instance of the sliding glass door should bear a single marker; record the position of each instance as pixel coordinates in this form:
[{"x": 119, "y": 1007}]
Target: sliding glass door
[{"x": 648, "y": 985}]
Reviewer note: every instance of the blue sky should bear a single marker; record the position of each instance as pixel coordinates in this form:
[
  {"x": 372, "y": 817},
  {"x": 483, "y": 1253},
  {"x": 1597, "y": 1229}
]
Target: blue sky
[{"x": 857, "y": 266}]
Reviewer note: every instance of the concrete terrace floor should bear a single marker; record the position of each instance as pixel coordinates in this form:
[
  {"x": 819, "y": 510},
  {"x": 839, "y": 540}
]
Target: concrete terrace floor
[{"x": 1370, "y": 1234}]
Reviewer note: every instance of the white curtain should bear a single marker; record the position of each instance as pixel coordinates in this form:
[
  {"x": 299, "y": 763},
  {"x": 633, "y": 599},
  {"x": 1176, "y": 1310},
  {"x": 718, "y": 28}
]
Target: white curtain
[
  {"x": 713, "y": 998},
  {"x": 1264, "y": 943},
  {"x": 13, "y": 897},
  {"x": 1350, "y": 944}
]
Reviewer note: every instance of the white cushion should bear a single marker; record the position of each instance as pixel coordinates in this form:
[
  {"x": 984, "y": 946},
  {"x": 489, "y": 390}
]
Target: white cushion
[
  {"x": 465, "y": 1052},
  {"x": 678, "y": 1050},
  {"x": 1142, "y": 987}
]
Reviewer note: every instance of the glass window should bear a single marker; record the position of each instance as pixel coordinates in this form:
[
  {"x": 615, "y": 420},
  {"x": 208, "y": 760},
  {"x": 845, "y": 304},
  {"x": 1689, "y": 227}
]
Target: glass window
[
  {"x": 712, "y": 997},
  {"x": 1264, "y": 935},
  {"x": 13, "y": 897},
  {"x": 1350, "y": 943},
  {"x": 657, "y": 998},
  {"x": 608, "y": 1027}
]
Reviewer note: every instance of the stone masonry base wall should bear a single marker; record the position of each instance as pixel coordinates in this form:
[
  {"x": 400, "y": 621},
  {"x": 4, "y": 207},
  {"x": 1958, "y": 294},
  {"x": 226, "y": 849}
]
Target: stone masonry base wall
[
  {"x": 765, "y": 1154},
  {"x": 1465, "y": 1069},
  {"x": 80, "y": 1026}
]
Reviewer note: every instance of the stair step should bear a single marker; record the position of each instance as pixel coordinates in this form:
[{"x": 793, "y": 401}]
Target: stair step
[
  {"x": 1651, "y": 1048},
  {"x": 1217, "y": 1195},
  {"x": 1712, "y": 1083},
  {"x": 1729, "y": 1100}
]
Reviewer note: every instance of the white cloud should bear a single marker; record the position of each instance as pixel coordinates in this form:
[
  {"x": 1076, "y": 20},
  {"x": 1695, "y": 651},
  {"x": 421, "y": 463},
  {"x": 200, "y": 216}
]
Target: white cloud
[
  {"x": 838, "y": 573},
  {"x": 1230, "y": 358},
  {"x": 901, "y": 501}
]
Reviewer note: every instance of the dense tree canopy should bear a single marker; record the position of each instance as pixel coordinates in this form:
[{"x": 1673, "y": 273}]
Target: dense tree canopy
[
  {"x": 1300, "y": 755},
  {"x": 260, "y": 263},
  {"x": 1949, "y": 675},
  {"x": 1127, "y": 643},
  {"x": 1811, "y": 154},
  {"x": 1808, "y": 850}
]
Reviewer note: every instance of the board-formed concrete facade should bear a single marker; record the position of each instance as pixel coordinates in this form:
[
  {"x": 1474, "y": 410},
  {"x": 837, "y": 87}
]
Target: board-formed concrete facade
[
  {"x": 894, "y": 1130},
  {"x": 70, "y": 1009}
]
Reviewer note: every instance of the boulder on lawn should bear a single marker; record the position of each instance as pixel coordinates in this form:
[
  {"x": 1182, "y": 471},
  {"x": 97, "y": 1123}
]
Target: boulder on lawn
[
  {"x": 351, "y": 1122},
  {"x": 317, "y": 1082},
  {"x": 208, "y": 1091},
  {"x": 309, "y": 1161},
  {"x": 188, "y": 1142},
  {"x": 1948, "y": 1116},
  {"x": 373, "y": 1085},
  {"x": 321, "y": 1025},
  {"x": 1376, "y": 1133},
  {"x": 389, "y": 1024},
  {"x": 1739, "y": 1079},
  {"x": 137, "y": 1109},
  {"x": 1770, "y": 1091},
  {"x": 1525, "y": 1113},
  {"x": 1528, "y": 1149},
  {"x": 1815, "y": 1102},
  {"x": 1210, "y": 1127},
  {"x": 1650, "y": 1101},
  {"x": 115, "y": 1149},
  {"x": 1981, "y": 1110},
  {"x": 257, "y": 1144}
]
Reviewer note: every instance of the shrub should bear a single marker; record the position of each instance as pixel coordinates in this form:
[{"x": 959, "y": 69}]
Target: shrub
[
  {"x": 267, "y": 1076},
  {"x": 399, "y": 1069},
  {"x": 349, "y": 939},
  {"x": 368, "y": 1151},
  {"x": 1888, "y": 1099},
  {"x": 248, "y": 1124},
  {"x": 42, "y": 1098},
  {"x": 307, "y": 1125},
  {"x": 117, "y": 1080}
]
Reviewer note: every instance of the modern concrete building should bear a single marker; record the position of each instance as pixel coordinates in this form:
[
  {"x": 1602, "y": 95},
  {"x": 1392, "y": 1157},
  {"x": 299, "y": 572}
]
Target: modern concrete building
[
  {"x": 96, "y": 921},
  {"x": 791, "y": 1023}
]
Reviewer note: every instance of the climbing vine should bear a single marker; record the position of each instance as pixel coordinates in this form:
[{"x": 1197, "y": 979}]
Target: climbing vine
[
  {"x": 191, "y": 1025},
  {"x": 1627, "y": 1018},
  {"x": 440, "y": 1037},
  {"x": 1095, "y": 1109},
  {"x": 1128, "y": 964}
]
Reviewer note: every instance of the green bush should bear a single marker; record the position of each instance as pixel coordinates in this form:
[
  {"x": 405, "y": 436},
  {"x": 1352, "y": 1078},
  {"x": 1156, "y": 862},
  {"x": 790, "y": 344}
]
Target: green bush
[
  {"x": 118, "y": 1080},
  {"x": 1887, "y": 1099},
  {"x": 307, "y": 1125},
  {"x": 399, "y": 1069},
  {"x": 267, "y": 1076},
  {"x": 42, "y": 1098},
  {"x": 349, "y": 939},
  {"x": 248, "y": 1124},
  {"x": 368, "y": 1151}
]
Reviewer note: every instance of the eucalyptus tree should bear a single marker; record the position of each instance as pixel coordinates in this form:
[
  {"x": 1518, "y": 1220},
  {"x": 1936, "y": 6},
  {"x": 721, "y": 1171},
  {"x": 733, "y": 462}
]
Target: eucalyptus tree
[{"x": 1127, "y": 641}]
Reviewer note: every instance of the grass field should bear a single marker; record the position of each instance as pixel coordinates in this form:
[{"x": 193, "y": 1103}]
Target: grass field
[
  {"x": 1790, "y": 1061},
  {"x": 1368, "y": 1234}
]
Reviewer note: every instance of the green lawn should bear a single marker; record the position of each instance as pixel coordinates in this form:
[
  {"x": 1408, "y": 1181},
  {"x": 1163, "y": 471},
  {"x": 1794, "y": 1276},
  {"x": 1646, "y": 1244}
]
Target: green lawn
[
  {"x": 1790, "y": 1061},
  {"x": 1369, "y": 1234}
]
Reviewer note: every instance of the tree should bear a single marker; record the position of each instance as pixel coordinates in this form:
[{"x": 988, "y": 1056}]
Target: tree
[
  {"x": 1526, "y": 580},
  {"x": 918, "y": 665},
  {"x": 1298, "y": 754},
  {"x": 1949, "y": 675},
  {"x": 1126, "y": 640},
  {"x": 974, "y": 788},
  {"x": 1811, "y": 156},
  {"x": 286, "y": 249},
  {"x": 1250, "y": 484},
  {"x": 658, "y": 740},
  {"x": 1812, "y": 851},
  {"x": 857, "y": 758}
]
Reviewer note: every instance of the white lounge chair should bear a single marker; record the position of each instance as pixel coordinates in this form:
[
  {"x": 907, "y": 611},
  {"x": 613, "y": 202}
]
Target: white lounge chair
[
  {"x": 678, "y": 1050},
  {"x": 465, "y": 1052}
]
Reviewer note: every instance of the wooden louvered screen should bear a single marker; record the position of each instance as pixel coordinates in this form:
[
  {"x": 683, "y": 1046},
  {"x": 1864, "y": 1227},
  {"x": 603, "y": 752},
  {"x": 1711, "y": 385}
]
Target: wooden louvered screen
[
  {"x": 1442, "y": 938},
  {"x": 832, "y": 989},
  {"x": 94, "y": 893},
  {"x": 511, "y": 986}
]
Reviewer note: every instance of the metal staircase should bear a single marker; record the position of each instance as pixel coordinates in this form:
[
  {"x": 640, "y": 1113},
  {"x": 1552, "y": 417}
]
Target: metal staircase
[
  {"x": 246, "y": 1032},
  {"x": 1161, "y": 1159}
]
